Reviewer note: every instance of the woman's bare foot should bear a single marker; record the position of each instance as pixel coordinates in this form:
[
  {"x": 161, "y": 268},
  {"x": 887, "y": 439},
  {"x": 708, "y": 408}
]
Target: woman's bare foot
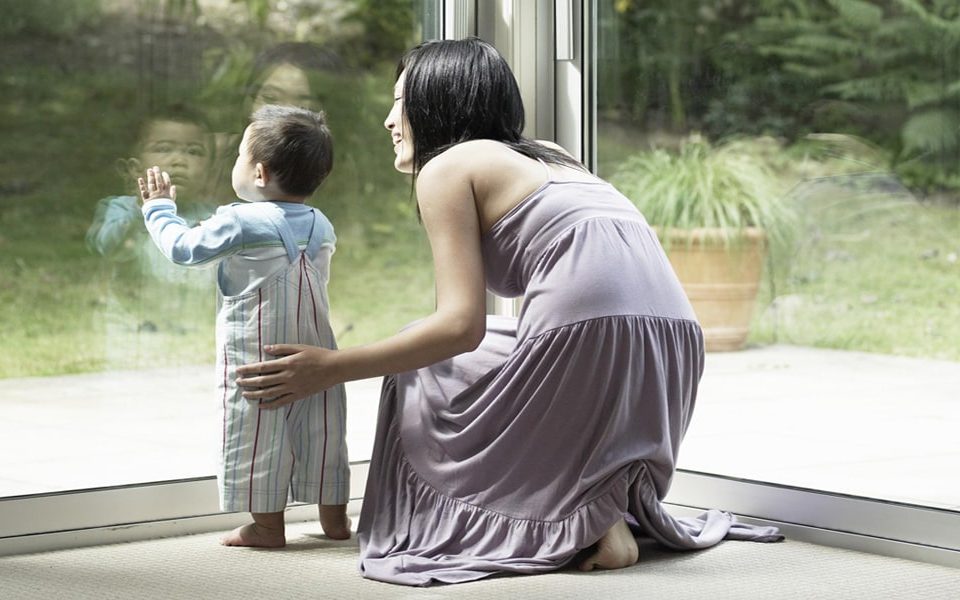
[
  {"x": 266, "y": 531},
  {"x": 615, "y": 550},
  {"x": 334, "y": 521}
]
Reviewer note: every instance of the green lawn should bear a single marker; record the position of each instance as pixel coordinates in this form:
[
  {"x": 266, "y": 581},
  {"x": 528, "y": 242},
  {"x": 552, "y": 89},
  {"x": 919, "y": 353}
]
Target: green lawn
[
  {"x": 58, "y": 302},
  {"x": 884, "y": 279}
]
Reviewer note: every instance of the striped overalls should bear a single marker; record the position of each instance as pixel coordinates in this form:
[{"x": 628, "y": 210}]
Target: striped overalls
[{"x": 298, "y": 451}]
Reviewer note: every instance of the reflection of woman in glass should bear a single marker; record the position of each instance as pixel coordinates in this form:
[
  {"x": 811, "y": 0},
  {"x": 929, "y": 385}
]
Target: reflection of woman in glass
[
  {"x": 178, "y": 141},
  {"x": 289, "y": 74},
  {"x": 511, "y": 445}
]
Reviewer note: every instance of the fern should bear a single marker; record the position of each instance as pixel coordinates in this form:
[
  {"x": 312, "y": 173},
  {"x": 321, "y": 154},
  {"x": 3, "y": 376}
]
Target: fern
[
  {"x": 890, "y": 57},
  {"x": 883, "y": 87},
  {"x": 931, "y": 131},
  {"x": 857, "y": 12},
  {"x": 950, "y": 27}
]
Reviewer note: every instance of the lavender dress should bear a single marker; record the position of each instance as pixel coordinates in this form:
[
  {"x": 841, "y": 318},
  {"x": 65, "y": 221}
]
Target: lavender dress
[{"x": 513, "y": 457}]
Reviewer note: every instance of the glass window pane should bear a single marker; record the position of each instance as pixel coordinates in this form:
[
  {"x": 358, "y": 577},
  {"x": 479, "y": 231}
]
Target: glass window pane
[
  {"x": 107, "y": 374},
  {"x": 834, "y": 129}
]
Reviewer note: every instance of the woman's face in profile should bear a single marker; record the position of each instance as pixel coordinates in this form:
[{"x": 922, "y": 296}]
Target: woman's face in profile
[
  {"x": 396, "y": 123},
  {"x": 286, "y": 85}
]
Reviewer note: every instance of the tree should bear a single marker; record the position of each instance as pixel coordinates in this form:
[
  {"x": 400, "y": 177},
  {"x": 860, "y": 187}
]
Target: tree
[{"x": 884, "y": 69}]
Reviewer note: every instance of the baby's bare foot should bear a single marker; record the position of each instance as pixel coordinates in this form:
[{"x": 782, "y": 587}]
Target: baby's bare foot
[
  {"x": 255, "y": 536},
  {"x": 334, "y": 521},
  {"x": 615, "y": 550}
]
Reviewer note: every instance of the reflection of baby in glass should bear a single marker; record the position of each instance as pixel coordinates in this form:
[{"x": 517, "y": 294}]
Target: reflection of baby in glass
[
  {"x": 273, "y": 256},
  {"x": 178, "y": 141}
]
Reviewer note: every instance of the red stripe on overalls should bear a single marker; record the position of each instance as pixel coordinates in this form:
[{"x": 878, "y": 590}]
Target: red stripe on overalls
[
  {"x": 323, "y": 459},
  {"x": 256, "y": 437},
  {"x": 299, "y": 296},
  {"x": 223, "y": 445}
]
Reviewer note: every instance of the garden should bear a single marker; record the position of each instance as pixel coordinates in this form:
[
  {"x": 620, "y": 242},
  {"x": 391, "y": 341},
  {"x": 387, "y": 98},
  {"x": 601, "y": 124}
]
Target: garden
[{"x": 835, "y": 124}]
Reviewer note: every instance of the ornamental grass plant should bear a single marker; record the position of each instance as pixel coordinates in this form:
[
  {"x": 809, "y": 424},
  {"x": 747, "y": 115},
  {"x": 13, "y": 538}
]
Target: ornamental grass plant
[{"x": 729, "y": 188}]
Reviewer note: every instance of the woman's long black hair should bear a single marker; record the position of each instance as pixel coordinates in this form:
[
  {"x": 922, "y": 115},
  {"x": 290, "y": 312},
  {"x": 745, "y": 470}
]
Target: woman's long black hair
[{"x": 460, "y": 90}]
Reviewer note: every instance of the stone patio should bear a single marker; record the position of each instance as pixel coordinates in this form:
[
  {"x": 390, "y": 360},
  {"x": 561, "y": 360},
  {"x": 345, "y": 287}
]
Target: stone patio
[{"x": 846, "y": 422}]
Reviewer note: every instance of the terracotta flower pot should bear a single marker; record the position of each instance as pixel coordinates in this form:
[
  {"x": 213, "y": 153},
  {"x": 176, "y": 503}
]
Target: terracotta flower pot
[{"x": 721, "y": 277}]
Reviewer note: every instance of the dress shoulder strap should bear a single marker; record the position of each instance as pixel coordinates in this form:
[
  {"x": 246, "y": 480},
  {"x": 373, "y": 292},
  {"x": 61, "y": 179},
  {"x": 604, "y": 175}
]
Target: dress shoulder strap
[{"x": 546, "y": 169}]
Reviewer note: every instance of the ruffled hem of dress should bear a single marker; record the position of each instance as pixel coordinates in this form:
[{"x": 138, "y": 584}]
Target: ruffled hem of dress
[
  {"x": 439, "y": 539},
  {"x": 500, "y": 544}
]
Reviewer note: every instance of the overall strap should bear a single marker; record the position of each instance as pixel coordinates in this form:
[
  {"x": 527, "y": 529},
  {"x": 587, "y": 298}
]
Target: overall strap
[
  {"x": 317, "y": 234},
  {"x": 275, "y": 214}
]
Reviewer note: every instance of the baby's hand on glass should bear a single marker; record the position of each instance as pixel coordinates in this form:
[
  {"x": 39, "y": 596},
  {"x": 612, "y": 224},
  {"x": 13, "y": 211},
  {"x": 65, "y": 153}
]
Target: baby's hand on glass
[{"x": 156, "y": 185}]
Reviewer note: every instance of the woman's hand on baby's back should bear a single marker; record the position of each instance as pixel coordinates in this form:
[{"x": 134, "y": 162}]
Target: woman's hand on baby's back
[
  {"x": 300, "y": 372},
  {"x": 156, "y": 185}
]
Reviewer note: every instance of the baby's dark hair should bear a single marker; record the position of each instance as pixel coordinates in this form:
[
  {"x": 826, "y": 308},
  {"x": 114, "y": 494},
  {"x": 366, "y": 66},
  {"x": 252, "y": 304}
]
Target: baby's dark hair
[{"x": 295, "y": 146}]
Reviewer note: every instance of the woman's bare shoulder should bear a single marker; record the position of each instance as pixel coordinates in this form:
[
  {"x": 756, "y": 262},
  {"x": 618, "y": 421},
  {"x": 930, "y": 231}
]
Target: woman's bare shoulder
[
  {"x": 554, "y": 146},
  {"x": 470, "y": 150},
  {"x": 469, "y": 160}
]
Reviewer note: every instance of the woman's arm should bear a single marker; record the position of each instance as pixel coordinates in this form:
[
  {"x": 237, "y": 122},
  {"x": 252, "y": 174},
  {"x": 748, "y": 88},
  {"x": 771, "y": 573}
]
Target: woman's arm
[{"x": 448, "y": 210}]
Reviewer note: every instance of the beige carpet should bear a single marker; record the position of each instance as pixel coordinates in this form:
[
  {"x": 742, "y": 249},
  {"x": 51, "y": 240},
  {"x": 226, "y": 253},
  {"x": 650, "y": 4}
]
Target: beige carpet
[{"x": 311, "y": 566}]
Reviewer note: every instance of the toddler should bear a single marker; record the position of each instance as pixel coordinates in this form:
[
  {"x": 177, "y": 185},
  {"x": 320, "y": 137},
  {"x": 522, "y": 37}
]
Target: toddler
[{"x": 273, "y": 255}]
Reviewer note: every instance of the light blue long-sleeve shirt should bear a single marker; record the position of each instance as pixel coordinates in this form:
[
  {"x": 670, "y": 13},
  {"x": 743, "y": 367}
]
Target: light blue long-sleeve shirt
[{"x": 241, "y": 236}]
